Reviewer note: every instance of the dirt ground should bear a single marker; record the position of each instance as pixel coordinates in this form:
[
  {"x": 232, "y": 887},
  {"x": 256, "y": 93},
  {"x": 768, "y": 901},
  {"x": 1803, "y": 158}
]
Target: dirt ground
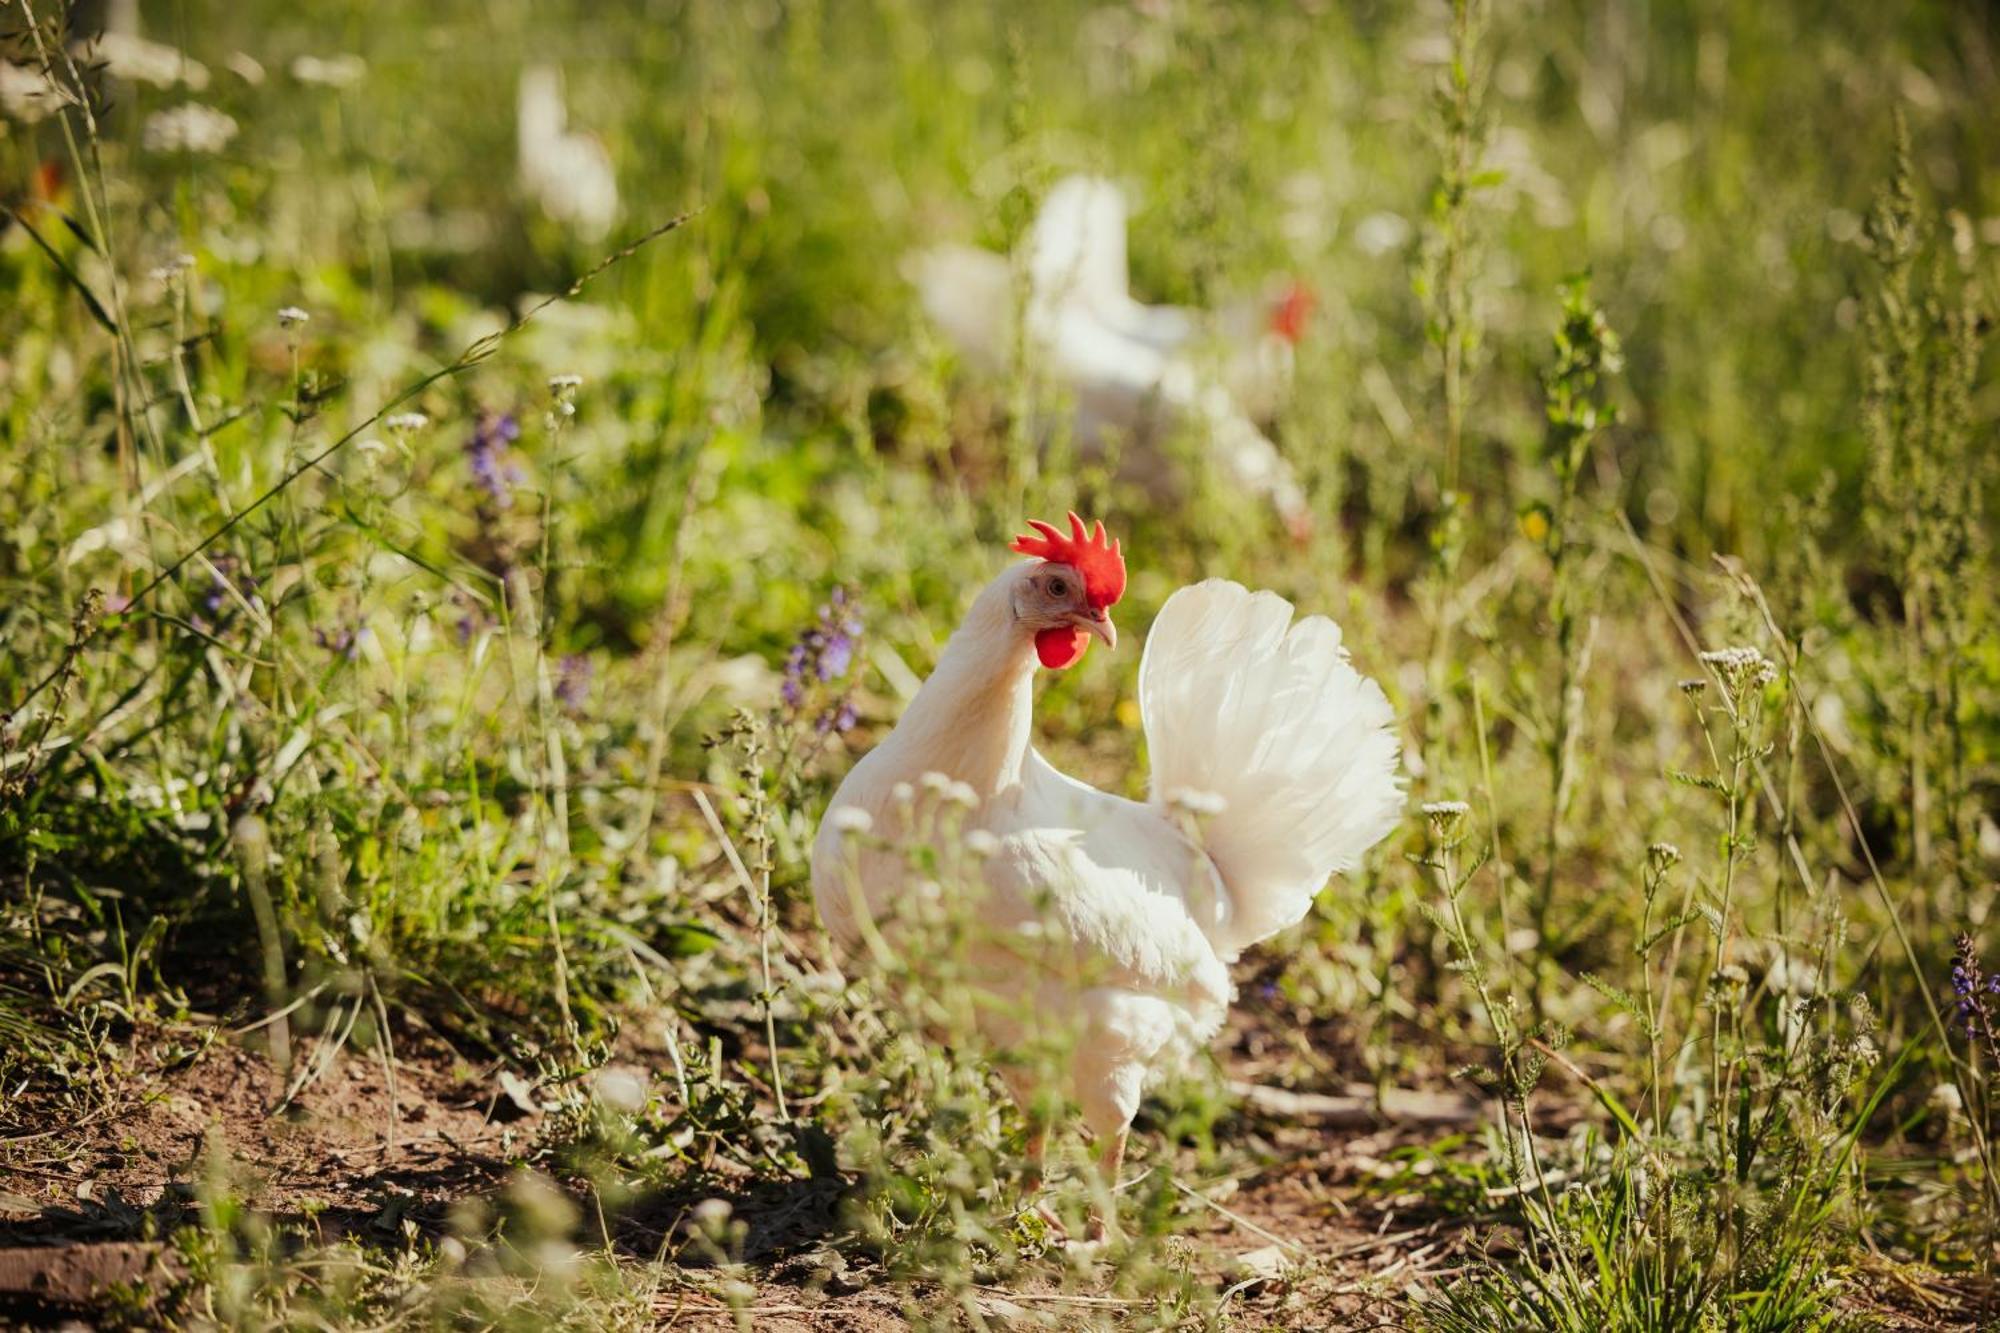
[{"x": 85, "y": 1199}]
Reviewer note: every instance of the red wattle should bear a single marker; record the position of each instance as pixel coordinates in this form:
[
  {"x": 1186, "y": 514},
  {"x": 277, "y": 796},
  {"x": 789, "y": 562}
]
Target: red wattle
[{"x": 1061, "y": 646}]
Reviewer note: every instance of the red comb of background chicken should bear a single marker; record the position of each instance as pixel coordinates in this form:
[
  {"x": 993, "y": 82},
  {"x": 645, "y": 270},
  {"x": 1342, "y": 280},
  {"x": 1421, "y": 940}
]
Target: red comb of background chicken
[
  {"x": 1288, "y": 316},
  {"x": 1101, "y": 565}
]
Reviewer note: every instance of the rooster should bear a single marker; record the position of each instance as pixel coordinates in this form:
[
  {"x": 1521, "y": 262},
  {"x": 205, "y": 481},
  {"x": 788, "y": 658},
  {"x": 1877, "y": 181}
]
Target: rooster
[
  {"x": 1134, "y": 369},
  {"x": 1274, "y": 767}
]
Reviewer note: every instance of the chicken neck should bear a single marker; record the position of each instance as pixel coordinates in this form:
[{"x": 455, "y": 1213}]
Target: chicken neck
[{"x": 971, "y": 719}]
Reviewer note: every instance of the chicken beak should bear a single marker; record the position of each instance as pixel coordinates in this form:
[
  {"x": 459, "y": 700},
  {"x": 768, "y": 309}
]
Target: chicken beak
[{"x": 1097, "y": 621}]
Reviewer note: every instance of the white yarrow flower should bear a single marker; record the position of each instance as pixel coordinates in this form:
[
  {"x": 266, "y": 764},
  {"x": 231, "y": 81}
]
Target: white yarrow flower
[
  {"x": 405, "y": 423},
  {"x": 1742, "y": 668},
  {"x": 565, "y": 383},
  {"x": 172, "y": 269},
  {"x": 850, "y": 819},
  {"x": 188, "y": 128},
  {"x": 330, "y": 71},
  {"x": 292, "y": 316},
  {"x": 1445, "y": 809}
]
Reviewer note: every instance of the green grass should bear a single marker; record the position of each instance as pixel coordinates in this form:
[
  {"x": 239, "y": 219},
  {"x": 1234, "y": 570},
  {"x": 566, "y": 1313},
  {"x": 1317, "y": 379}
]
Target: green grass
[{"x": 300, "y": 718}]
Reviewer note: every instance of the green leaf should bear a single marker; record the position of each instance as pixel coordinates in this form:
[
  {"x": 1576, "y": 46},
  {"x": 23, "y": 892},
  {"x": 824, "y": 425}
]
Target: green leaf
[{"x": 70, "y": 275}]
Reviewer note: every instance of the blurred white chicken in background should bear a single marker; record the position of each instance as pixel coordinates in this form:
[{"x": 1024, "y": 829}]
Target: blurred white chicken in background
[
  {"x": 568, "y": 173},
  {"x": 109, "y": 35},
  {"x": 1133, "y": 369}
]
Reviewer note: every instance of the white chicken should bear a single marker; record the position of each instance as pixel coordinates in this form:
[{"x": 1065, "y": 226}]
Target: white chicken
[
  {"x": 1132, "y": 368},
  {"x": 568, "y": 173},
  {"x": 1259, "y": 728}
]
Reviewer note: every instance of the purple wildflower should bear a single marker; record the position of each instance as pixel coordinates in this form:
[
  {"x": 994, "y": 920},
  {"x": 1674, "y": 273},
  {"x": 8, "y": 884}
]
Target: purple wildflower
[
  {"x": 824, "y": 655},
  {"x": 493, "y": 468},
  {"x": 344, "y": 641},
  {"x": 1974, "y": 990},
  {"x": 226, "y": 576},
  {"x": 573, "y": 675}
]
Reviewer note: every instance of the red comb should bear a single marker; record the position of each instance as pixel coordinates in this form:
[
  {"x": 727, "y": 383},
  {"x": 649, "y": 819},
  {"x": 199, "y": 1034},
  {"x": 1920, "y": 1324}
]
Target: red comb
[
  {"x": 1288, "y": 316},
  {"x": 1100, "y": 564}
]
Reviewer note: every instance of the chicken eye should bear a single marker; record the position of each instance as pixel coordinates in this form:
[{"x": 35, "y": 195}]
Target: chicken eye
[{"x": 1057, "y": 588}]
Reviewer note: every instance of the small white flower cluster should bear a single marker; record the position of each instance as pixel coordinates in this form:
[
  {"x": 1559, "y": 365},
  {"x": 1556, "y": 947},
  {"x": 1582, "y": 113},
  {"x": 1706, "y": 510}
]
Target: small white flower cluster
[
  {"x": 949, "y": 790},
  {"x": 339, "y": 71},
  {"x": 292, "y": 316},
  {"x": 851, "y": 820},
  {"x": 1663, "y": 854},
  {"x": 188, "y": 128},
  {"x": 565, "y": 383},
  {"x": 171, "y": 271},
  {"x": 1742, "y": 669},
  {"x": 406, "y": 423},
  {"x": 1198, "y": 803},
  {"x": 1446, "y": 819}
]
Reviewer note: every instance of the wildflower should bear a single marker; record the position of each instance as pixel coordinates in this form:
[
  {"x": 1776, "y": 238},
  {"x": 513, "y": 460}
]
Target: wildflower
[
  {"x": 1973, "y": 990},
  {"x": 572, "y": 686},
  {"x": 1663, "y": 855},
  {"x": 841, "y": 718},
  {"x": 1446, "y": 818},
  {"x": 470, "y": 621},
  {"x": 291, "y": 316},
  {"x": 171, "y": 271},
  {"x": 345, "y": 641},
  {"x": 850, "y": 819},
  {"x": 331, "y": 71},
  {"x": 563, "y": 389},
  {"x": 406, "y": 423},
  {"x": 188, "y": 128},
  {"x": 493, "y": 469},
  {"x": 1691, "y": 688},
  {"x": 1741, "y": 669},
  {"x": 229, "y": 585},
  {"x": 823, "y": 655}
]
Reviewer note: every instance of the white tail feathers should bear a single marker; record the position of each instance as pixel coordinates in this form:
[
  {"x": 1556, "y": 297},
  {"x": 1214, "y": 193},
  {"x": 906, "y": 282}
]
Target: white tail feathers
[{"x": 1269, "y": 716}]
